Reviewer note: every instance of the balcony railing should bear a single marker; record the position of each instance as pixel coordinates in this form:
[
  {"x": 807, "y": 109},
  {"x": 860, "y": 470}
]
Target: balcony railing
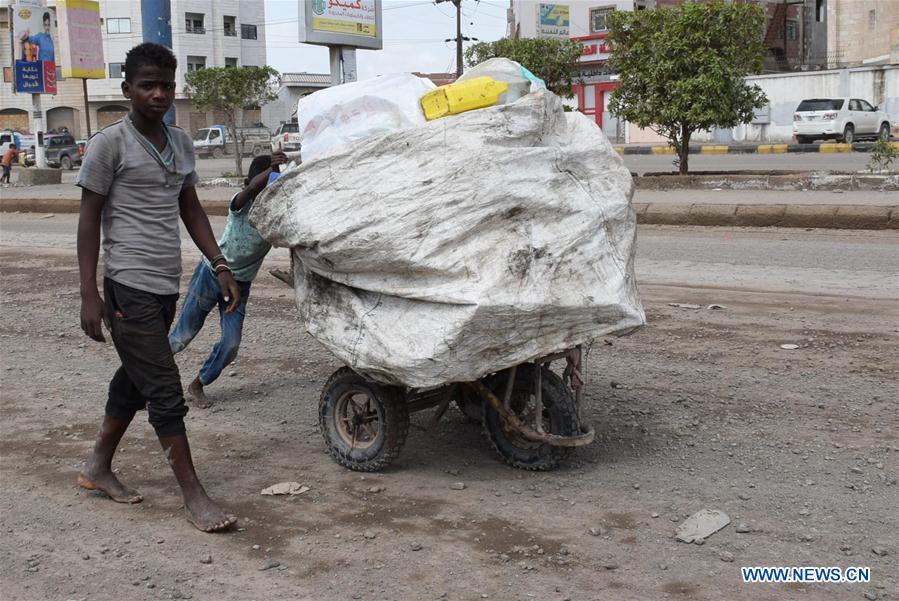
[
  {"x": 195, "y": 29},
  {"x": 231, "y": 33}
]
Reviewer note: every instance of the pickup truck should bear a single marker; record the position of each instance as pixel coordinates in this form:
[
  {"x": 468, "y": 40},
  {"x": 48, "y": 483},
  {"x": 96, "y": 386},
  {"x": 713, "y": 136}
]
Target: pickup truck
[
  {"x": 60, "y": 150},
  {"x": 216, "y": 141},
  {"x": 287, "y": 137}
]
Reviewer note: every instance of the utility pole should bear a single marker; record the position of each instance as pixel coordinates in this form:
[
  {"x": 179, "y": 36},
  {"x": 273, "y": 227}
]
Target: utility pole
[{"x": 459, "y": 37}]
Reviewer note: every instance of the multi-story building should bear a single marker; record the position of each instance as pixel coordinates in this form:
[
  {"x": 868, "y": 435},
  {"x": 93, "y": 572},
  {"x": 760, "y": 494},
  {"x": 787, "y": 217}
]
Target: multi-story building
[
  {"x": 800, "y": 35},
  {"x": 205, "y": 33}
]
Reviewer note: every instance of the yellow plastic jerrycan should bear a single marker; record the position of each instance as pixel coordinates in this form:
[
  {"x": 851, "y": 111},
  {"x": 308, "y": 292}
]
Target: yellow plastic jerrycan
[{"x": 462, "y": 96}]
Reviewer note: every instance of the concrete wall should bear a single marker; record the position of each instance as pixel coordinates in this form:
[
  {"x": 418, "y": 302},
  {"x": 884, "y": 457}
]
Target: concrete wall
[
  {"x": 878, "y": 85},
  {"x": 853, "y": 37}
]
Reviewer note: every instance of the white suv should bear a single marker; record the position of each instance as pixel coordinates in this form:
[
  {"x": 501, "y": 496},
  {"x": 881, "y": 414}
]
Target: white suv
[{"x": 846, "y": 119}]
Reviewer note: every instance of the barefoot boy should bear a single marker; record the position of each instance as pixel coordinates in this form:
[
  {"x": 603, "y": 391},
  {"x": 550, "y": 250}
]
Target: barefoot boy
[
  {"x": 137, "y": 179},
  {"x": 244, "y": 249}
]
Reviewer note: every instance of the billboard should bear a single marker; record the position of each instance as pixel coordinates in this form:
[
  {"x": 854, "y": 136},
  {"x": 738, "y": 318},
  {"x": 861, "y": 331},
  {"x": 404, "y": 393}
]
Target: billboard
[
  {"x": 80, "y": 39},
  {"x": 355, "y": 23},
  {"x": 34, "y": 55},
  {"x": 553, "y": 21}
]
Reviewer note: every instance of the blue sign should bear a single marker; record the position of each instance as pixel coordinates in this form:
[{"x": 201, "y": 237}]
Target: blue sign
[{"x": 30, "y": 77}]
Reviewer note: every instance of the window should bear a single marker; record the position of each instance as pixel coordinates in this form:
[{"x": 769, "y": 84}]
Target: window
[
  {"x": 598, "y": 19},
  {"x": 193, "y": 23},
  {"x": 792, "y": 30},
  {"x": 7, "y": 74},
  {"x": 230, "y": 26},
  {"x": 820, "y": 10},
  {"x": 820, "y": 104},
  {"x": 872, "y": 20},
  {"x": 230, "y": 62},
  {"x": 214, "y": 134},
  {"x": 195, "y": 63},
  {"x": 854, "y": 106},
  {"x": 864, "y": 106},
  {"x": 116, "y": 70},
  {"x": 118, "y": 25},
  {"x": 248, "y": 32}
]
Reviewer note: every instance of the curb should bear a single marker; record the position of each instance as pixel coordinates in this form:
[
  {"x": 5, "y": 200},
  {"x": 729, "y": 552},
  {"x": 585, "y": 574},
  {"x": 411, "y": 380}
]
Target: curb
[
  {"x": 853, "y": 217},
  {"x": 767, "y": 148},
  {"x": 769, "y": 181},
  {"x": 218, "y": 208},
  {"x": 841, "y": 217}
]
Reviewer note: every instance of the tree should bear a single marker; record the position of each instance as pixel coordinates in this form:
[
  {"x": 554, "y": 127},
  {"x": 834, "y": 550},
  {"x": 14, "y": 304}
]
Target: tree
[
  {"x": 551, "y": 60},
  {"x": 682, "y": 70},
  {"x": 231, "y": 90}
]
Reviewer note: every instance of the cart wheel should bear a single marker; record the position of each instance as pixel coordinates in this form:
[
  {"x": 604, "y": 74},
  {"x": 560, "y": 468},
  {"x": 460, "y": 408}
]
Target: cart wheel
[
  {"x": 364, "y": 423},
  {"x": 559, "y": 417}
]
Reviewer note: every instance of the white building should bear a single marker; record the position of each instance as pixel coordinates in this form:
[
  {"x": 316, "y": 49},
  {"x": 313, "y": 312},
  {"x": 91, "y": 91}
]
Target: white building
[{"x": 205, "y": 33}]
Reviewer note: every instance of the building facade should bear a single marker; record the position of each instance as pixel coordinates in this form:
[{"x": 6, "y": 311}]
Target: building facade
[
  {"x": 800, "y": 36},
  {"x": 205, "y": 33}
]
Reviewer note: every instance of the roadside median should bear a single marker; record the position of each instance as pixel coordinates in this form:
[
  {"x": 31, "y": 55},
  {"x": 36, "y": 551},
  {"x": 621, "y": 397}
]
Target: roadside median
[
  {"x": 756, "y": 148},
  {"x": 836, "y": 201}
]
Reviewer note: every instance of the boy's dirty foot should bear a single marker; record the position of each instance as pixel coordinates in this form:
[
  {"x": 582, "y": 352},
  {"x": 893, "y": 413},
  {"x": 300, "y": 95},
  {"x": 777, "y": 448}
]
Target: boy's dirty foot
[
  {"x": 200, "y": 400},
  {"x": 206, "y": 515},
  {"x": 108, "y": 484}
]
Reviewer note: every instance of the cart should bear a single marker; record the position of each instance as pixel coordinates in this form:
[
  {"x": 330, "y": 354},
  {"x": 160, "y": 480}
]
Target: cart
[{"x": 529, "y": 413}]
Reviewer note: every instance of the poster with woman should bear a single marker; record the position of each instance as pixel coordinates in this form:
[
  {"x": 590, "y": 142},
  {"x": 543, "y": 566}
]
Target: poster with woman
[{"x": 34, "y": 28}]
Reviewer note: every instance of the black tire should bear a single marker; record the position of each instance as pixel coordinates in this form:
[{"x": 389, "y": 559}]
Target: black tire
[
  {"x": 559, "y": 414},
  {"x": 217, "y": 153},
  {"x": 257, "y": 151},
  {"x": 884, "y": 132},
  {"x": 367, "y": 441},
  {"x": 65, "y": 162},
  {"x": 848, "y": 134},
  {"x": 804, "y": 139}
]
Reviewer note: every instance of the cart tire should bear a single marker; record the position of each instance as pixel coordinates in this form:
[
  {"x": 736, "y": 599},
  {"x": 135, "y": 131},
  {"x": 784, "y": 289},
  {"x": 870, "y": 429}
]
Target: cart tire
[
  {"x": 559, "y": 407},
  {"x": 368, "y": 446}
]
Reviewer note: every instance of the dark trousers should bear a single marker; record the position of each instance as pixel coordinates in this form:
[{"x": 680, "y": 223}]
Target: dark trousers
[
  {"x": 5, "y": 176},
  {"x": 148, "y": 377}
]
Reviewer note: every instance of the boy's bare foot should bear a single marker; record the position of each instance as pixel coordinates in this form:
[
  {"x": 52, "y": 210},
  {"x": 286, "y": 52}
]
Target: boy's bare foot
[
  {"x": 200, "y": 400},
  {"x": 207, "y": 516},
  {"x": 109, "y": 485}
]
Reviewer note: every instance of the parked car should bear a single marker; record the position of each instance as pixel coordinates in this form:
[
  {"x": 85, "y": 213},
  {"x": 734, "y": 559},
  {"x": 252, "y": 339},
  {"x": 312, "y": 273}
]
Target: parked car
[
  {"x": 845, "y": 119},
  {"x": 287, "y": 137},
  {"x": 60, "y": 150},
  {"x": 216, "y": 140}
]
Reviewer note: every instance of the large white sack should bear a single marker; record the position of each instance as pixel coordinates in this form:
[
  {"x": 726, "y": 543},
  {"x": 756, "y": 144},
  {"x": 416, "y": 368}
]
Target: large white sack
[
  {"x": 344, "y": 114},
  {"x": 463, "y": 246}
]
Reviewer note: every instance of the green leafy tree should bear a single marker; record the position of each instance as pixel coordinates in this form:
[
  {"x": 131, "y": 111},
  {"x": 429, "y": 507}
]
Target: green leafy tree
[
  {"x": 682, "y": 70},
  {"x": 230, "y": 90},
  {"x": 551, "y": 60}
]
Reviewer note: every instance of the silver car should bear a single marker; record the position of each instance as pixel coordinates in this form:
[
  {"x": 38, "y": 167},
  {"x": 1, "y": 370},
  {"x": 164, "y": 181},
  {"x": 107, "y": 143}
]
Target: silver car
[{"x": 845, "y": 119}]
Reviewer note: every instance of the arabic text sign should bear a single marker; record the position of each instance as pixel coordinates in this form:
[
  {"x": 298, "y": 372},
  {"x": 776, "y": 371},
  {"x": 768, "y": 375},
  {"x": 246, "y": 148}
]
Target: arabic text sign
[
  {"x": 34, "y": 54},
  {"x": 351, "y": 17},
  {"x": 553, "y": 21},
  {"x": 80, "y": 39},
  {"x": 353, "y": 23}
]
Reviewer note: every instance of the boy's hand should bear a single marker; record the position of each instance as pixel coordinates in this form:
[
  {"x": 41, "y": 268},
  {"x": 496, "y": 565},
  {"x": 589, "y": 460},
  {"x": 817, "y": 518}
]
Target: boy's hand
[
  {"x": 92, "y": 315},
  {"x": 278, "y": 158},
  {"x": 230, "y": 291}
]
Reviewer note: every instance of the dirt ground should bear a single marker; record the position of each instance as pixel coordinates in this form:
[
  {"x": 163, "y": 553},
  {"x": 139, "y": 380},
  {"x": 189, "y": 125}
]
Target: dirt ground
[{"x": 701, "y": 409}]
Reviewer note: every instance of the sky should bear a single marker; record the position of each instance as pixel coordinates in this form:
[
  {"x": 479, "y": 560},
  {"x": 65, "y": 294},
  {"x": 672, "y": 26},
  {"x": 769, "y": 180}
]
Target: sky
[{"x": 414, "y": 34}]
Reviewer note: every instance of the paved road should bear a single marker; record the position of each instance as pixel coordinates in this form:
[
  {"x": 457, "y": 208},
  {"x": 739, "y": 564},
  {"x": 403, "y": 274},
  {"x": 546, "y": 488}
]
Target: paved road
[
  {"x": 857, "y": 161},
  {"x": 819, "y": 262}
]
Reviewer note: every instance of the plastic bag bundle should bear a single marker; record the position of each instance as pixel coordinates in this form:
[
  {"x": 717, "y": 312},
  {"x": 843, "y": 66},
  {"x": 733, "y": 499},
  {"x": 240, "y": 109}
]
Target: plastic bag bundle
[{"x": 449, "y": 250}]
